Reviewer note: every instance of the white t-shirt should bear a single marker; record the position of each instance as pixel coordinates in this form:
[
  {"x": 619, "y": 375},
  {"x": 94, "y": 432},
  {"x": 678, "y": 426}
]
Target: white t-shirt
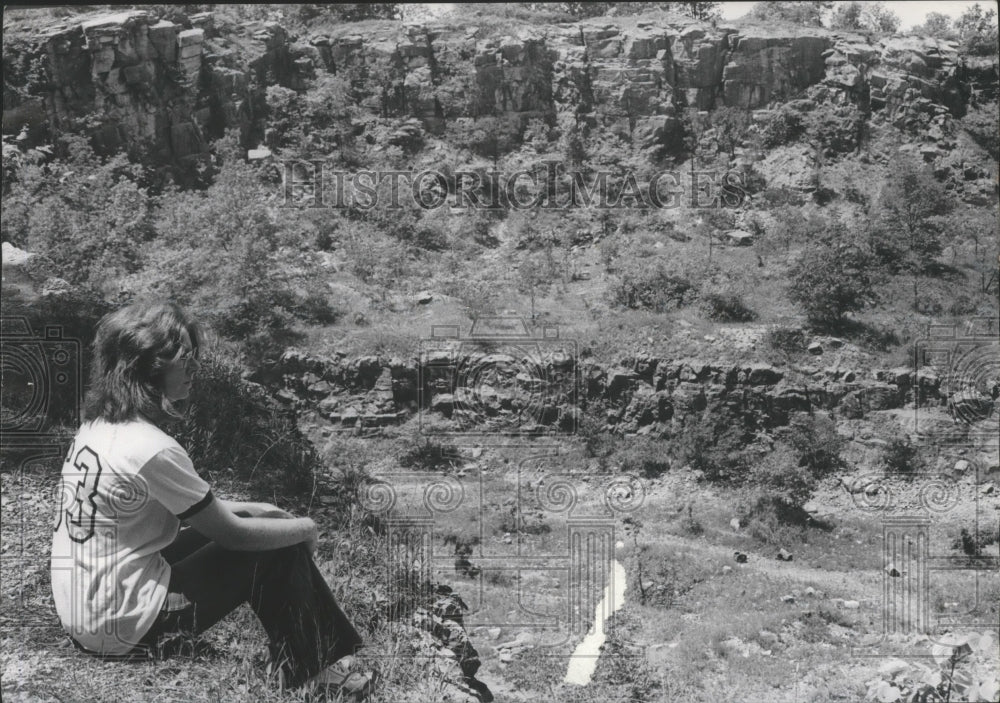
[{"x": 125, "y": 488}]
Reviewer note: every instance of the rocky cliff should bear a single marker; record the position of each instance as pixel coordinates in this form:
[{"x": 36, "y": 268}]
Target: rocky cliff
[
  {"x": 175, "y": 85},
  {"x": 136, "y": 82},
  {"x": 464, "y": 390}
]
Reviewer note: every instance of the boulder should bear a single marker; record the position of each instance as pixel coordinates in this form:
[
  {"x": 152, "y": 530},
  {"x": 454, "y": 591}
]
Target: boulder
[{"x": 738, "y": 237}]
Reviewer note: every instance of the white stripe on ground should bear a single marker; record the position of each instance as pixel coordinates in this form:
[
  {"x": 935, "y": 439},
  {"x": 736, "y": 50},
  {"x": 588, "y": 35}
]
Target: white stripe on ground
[{"x": 584, "y": 660}]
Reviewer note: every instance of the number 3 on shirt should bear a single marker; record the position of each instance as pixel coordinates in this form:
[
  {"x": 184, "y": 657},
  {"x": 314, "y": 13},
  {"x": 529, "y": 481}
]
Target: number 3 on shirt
[{"x": 81, "y": 511}]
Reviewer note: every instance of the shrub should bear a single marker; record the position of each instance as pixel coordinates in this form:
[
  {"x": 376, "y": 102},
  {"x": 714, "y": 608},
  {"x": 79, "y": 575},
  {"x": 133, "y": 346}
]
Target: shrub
[
  {"x": 963, "y": 304},
  {"x": 972, "y": 544},
  {"x": 808, "y": 14},
  {"x": 84, "y": 214},
  {"x": 598, "y": 442},
  {"x": 235, "y": 426},
  {"x": 644, "y": 457},
  {"x": 977, "y": 31},
  {"x": 781, "y": 478},
  {"x": 901, "y": 456},
  {"x": 831, "y": 279},
  {"x": 983, "y": 126},
  {"x": 785, "y": 478},
  {"x": 963, "y": 668},
  {"x": 786, "y": 340},
  {"x": 223, "y": 254},
  {"x": 776, "y": 197},
  {"x": 836, "y": 130},
  {"x": 907, "y": 232},
  {"x": 714, "y": 443},
  {"x": 429, "y": 455},
  {"x": 375, "y": 258},
  {"x": 727, "y": 307},
  {"x": 784, "y": 126},
  {"x": 75, "y": 315},
  {"x": 649, "y": 285},
  {"x": 314, "y": 307},
  {"x": 817, "y": 443}
]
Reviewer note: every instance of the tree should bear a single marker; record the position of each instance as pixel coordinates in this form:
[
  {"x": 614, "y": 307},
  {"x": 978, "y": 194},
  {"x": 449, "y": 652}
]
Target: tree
[
  {"x": 804, "y": 453},
  {"x": 225, "y": 254},
  {"x": 351, "y": 11},
  {"x": 490, "y": 137},
  {"x": 847, "y": 15},
  {"x": 935, "y": 25},
  {"x": 831, "y": 278},
  {"x": 878, "y": 18},
  {"x": 907, "y": 228},
  {"x": 698, "y": 10},
  {"x": 730, "y": 124},
  {"x": 535, "y": 275},
  {"x": 870, "y": 16},
  {"x": 977, "y": 31},
  {"x": 791, "y": 226},
  {"x": 86, "y": 215},
  {"x": 809, "y": 14}
]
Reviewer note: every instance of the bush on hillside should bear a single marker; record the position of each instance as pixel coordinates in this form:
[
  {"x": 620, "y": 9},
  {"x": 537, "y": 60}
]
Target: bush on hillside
[
  {"x": 234, "y": 428},
  {"x": 831, "y": 278},
  {"x": 784, "y": 126},
  {"x": 785, "y": 478},
  {"x": 85, "y": 214},
  {"x": 901, "y": 456},
  {"x": 715, "y": 443},
  {"x": 644, "y": 457},
  {"x": 726, "y": 307},
  {"x": 786, "y": 340},
  {"x": 650, "y": 285},
  {"x": 837, "y": 130},
  {"x": 907, "y": 233}
]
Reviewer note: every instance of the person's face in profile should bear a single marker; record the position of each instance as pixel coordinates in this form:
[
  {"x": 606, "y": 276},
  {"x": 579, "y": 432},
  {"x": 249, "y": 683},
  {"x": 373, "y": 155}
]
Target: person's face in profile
[{"x": 179, "y": 372}]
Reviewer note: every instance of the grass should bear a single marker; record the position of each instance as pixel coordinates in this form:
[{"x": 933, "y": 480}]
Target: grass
[{"x": 686, "y": 638}]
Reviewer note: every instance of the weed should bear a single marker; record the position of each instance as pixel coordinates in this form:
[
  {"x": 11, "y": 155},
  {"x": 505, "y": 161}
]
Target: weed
[
  {"x": 649, "y": 285},
  {"x": 430, "y": 455},
  {"x": 788, "y": 341},
  {"x": 902, "y": 456},
  {"x": 727, "y": 307}
]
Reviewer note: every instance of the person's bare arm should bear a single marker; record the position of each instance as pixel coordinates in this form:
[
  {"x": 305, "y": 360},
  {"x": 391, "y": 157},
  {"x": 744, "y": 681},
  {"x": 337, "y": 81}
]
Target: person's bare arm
[
  {"x": 217, "y": 522},
  {"x": 244, "y": 509}
]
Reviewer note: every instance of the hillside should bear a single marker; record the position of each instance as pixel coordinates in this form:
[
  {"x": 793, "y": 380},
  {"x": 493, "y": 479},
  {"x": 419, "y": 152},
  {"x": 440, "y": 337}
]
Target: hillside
[{"x": 535, "y": 317}]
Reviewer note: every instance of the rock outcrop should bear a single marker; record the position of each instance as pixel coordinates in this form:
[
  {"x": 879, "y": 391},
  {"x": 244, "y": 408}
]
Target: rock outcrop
[
  {"x": 136, "y": 82},
  {"x": 496, "y": 392},
  {"x": 175, "y": 85}
]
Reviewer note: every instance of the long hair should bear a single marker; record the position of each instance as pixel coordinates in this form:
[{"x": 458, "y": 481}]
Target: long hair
[{"x": 132, "y": 347}]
